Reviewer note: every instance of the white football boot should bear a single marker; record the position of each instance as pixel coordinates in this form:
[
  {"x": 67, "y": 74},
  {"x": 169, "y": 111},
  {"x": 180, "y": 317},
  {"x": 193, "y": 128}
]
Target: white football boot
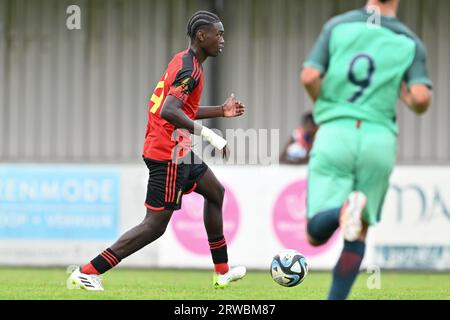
[
  {"x": 90, "y": 282},
  {"x": 351, "y": 215},
  {"x": 234, "y": 274}
]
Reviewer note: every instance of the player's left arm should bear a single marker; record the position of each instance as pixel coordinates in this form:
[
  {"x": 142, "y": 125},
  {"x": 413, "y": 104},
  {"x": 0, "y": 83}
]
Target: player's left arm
[{"x": 230, "y": 108}]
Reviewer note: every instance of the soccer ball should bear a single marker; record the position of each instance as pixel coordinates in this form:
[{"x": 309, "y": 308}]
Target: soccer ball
[{"x": 289, "y": 268}]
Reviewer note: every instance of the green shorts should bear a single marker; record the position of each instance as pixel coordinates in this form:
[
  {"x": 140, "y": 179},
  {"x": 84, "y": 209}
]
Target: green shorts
[{"x": 347, "y": 157}]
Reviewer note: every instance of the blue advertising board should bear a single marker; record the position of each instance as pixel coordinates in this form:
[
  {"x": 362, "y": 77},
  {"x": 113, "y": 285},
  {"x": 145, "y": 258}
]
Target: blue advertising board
[{"x": 61, "y": 202}]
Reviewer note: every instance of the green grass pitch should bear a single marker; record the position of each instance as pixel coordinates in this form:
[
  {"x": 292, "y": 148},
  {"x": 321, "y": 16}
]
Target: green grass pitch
[{"x": 154, "y": 284}]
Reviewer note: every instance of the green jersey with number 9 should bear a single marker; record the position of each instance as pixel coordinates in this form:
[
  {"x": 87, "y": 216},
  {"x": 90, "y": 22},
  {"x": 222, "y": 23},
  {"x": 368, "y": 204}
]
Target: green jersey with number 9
[{"x": 363, "y": 65}]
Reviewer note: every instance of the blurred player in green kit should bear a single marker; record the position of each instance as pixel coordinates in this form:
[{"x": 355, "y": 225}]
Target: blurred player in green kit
[{"x": 355, "y": 73}]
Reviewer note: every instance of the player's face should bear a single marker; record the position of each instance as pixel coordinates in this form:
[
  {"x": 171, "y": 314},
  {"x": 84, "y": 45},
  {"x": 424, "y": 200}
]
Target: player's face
[{"x": 214, "y": 40}]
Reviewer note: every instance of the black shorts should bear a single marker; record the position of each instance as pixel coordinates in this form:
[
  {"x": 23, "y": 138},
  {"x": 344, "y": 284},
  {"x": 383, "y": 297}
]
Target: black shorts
[{"x": 168, "y": 181}]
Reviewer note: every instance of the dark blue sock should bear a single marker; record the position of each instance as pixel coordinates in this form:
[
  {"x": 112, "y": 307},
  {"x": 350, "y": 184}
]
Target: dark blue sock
[
  {"x": 322, "y": 226},
  {"x": 346, "y": 269}
]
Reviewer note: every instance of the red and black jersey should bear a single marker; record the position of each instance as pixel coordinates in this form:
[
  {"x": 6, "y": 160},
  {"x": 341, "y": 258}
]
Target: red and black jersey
[{"x": 182, "y": 79}]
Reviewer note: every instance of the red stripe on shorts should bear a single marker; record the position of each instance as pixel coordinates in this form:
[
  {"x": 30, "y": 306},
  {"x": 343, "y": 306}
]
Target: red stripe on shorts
[
  {"x": 167, "y": 181},
  {"x": 174, "y": 182}
]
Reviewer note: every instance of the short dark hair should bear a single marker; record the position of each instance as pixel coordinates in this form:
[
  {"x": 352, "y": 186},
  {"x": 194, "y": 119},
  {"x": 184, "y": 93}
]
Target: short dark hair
[
  {"x": 384, "y": 1},
  {"x": 200, "y": 19},
  {"x": 308, "y": 117}
]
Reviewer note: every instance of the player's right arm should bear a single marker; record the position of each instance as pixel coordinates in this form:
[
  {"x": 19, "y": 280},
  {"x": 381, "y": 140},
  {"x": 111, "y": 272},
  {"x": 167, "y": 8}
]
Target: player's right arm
[
  {"x": 172, "y": 113},
  {"x": 183, "y": 85},
  {"x": 417, "y": 97},
  {"x": 316, "y": 64},
  {"x": 312, "y": 82},
  {"x": 416, "y": 90}
]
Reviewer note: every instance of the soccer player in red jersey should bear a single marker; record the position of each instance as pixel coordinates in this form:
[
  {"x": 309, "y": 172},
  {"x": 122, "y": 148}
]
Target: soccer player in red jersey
[{"x": 174, "y": 170}]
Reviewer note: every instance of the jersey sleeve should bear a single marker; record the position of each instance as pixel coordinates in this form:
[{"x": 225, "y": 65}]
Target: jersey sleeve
[
  {"x": 320, "y": 54},
  {"x": 417, "y": 73},
  {"x": 186, "y": 80}
]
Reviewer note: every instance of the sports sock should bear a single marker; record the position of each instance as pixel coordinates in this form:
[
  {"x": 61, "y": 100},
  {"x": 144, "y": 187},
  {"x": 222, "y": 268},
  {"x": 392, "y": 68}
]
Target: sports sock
[
  {"x": 218, "y": 247},
  {"x": 322, "y": 226},
  {"x": 89, "y": 269},
  {"x": 346, "y": 269},
  {"x": 102, "y": 263}
]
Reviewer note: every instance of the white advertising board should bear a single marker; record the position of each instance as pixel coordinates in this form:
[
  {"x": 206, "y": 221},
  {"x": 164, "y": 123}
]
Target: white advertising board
[{"x": 65, "y": 215}]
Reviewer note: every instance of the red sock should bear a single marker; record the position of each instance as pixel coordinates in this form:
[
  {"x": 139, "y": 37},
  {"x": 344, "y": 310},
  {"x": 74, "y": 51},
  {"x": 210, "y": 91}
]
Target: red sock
[
  {"x": 221, "y": 268},
  {"x": 89, "y": 269}
]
